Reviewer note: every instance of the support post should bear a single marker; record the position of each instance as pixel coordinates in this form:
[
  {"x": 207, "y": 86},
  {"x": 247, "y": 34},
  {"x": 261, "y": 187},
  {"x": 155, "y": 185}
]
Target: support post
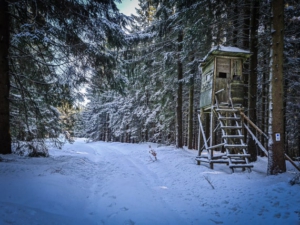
[{"x": 212, "y": 136}]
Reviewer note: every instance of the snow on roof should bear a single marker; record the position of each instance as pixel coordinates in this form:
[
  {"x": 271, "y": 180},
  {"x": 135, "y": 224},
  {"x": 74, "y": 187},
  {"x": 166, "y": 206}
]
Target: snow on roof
[
  {"x": 229, "y": 49},
  {"x": 226, "y": 50}
]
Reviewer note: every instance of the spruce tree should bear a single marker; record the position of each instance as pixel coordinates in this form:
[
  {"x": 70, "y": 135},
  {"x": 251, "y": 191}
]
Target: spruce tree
[
  {"x": 276, "y": 162},
  {"x": 55, "y": 46},
  {"x": 5, "y": 139}
]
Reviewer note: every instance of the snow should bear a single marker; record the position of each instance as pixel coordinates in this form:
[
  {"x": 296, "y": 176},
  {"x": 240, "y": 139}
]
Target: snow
[
  {"x": 119, "y": 183},
  {"x": 228, "y": 49},
  {"x": 295, "y": 18}
]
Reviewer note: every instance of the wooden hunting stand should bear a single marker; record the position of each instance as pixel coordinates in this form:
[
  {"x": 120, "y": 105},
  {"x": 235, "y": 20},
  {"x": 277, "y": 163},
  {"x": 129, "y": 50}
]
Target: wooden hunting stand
[
  {"x": 221, "y": 138},
  {"x": 221, "y": 117}
]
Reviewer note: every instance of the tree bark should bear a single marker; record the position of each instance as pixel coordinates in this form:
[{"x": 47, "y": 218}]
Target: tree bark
[
  {"x": 276, "y": 158},
  {"x": 235, "y": 24},
  {"x": 252, "y": 79},
  {"x": 245, "y": 45},
  {"x": 179, "y": 130},
  {"x": 191, "y": 114},
  {"x": 5, "y": 138},
  {"x": 264, "y": 113},
  {"x": 246, "y": 24}
]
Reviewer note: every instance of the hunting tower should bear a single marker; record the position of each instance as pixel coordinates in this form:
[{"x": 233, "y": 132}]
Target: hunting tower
[{"x": 221, "y": 101}]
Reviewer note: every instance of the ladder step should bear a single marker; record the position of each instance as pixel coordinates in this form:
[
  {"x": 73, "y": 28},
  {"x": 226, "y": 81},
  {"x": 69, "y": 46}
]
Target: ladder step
[
  {"x": 219, "y": 161},
  {"x": 240, "y": 165},
  {"x": 231, "y": 127},
  {"x": 229, "y": 118},
  {"x": 226, "y": 110},
  {"x": 216, "y": 146},
  {"x": 212, "y": 161},
  {"x": 238, "y": 155},
  {"x": 223, "y": 104},
  {"x": 238, "y": 161},
  {"x": 235, "y": 146},
  {"x": 233, "y": 136},
  {"x": 219, "y": 156},
  {"x": 202, "y": 160}
]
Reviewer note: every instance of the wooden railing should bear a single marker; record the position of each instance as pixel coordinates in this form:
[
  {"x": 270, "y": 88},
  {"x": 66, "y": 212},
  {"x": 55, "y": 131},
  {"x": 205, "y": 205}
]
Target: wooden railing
[{"x": 266, "y": 136}]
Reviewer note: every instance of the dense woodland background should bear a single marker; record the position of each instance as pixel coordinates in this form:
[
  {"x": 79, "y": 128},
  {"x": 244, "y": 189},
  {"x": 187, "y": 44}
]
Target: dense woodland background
[{"x": 140, "y": 74}]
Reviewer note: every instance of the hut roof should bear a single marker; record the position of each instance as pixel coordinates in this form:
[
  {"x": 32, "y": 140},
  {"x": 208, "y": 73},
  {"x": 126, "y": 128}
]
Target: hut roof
[{"x": 221, "y": 50}]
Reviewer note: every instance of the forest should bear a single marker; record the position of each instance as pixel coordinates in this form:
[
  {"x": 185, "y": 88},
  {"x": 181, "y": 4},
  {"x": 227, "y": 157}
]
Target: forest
[{"x": 81, "y": 68}]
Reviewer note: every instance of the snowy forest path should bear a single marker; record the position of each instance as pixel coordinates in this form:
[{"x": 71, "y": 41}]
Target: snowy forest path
[
  {"x": 117, "y": 183},
  {"x": 129, "y": 187}
]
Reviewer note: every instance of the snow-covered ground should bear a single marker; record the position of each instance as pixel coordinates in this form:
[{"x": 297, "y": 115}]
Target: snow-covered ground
[{"x": 118, "y": 183}]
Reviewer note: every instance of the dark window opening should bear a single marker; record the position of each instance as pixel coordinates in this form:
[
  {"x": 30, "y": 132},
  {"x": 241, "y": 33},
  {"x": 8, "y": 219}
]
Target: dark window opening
[
  {"x": 222, "y": 75},
  {"x": 236, "y": 77}
]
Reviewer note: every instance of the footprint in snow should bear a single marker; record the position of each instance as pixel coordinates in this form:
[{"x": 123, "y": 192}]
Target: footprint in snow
[
  {"x": 112, "y": 215},
  {"x": 276, "y": 204},
  {"x": 112, "y": 204},
  {"x": 286, "y": 215},
  {"x": 217, "y": 222},
  {"x": 129, "y": 222},
  {"x": 277, "y": 215}
]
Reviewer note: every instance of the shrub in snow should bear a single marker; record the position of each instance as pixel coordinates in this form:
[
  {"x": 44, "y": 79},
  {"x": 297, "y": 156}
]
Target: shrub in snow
[
  {"x": 31, "y": 148},
  {"x": 38, "y": 149}
]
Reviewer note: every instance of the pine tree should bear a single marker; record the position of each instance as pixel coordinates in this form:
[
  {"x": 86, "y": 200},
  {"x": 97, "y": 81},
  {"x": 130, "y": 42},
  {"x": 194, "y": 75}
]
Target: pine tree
[
  {"x": 252, "y": 79},
  {"x": 5, "y": 139},
  {"x": 55, "y": 47},
  {"x": 291, "y": 72},
  {"x": 276, "y": 162}
]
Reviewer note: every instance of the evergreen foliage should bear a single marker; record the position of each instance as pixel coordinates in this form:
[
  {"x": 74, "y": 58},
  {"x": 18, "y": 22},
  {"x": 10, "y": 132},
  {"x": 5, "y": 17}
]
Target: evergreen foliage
[
  {"x": 135, "y": 77},
  {"x": 55, "y": 48},
  {"x": 147, "y": 109}
]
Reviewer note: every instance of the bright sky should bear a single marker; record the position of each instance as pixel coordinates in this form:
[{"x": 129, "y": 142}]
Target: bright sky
[{"x": 128, "y": 6}]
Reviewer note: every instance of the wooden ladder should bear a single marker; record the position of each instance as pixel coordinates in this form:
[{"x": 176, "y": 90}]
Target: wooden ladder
[{"x": 232, "y": 136}]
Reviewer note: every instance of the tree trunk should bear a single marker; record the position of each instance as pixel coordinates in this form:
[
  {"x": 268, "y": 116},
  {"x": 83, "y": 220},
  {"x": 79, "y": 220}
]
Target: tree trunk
[
  {"x": 276, "y": 159},
  {"x": 235, "y": 24},
  {"x": 252, "y": 79},
  {"x": 245, "y": 45},
  {"x": 191, "y": 114},
  {"x": 246, "y": 24},
  {"x": 5, "y": 139},
  {"x": 264, "y": 113},
  {"x": 179, "y": 141}
]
